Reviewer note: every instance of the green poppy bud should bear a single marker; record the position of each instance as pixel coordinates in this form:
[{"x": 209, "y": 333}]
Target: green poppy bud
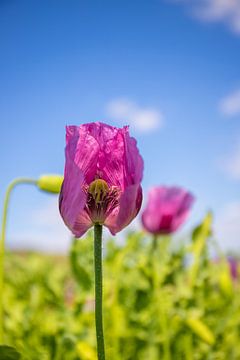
[{"x": 50, "y": 183}]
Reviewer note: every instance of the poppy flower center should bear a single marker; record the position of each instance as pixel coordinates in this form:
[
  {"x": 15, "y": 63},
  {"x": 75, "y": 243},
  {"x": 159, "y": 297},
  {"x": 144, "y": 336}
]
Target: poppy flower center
[
  {"x": 102, "y": 199},
  {"x": 98, "y": 189}
]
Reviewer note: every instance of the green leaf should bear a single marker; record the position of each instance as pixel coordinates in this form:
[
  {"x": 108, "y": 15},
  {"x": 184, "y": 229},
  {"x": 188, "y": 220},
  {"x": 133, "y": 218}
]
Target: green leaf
[
  {"x": 8, "y": 353},
  {"x": 201, "y": 329},
  {"x": 200, "y": 236},
  {"x": 202, "y": 231}
]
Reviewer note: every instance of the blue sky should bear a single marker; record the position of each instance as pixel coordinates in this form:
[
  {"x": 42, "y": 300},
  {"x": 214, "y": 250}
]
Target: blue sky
[{"x": 167, "y": 68}]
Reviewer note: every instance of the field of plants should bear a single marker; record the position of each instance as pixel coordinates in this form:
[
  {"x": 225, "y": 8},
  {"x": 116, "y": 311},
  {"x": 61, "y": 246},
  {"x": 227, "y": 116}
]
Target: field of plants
[
  {"x": 120, "y": 174},
  {"x": 163, "y": 299}
]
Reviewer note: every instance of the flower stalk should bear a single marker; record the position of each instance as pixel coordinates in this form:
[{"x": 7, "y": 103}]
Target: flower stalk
[
  {"x": 154, "y": 243},
  {"x": 10, "y": 187},
  {"x": 98, "y": 290},
  {"x": 47, "y": 183}
]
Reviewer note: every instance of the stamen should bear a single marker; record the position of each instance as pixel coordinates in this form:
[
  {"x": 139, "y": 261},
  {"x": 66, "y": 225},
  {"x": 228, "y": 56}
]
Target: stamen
[{"x": 102, "y": 199}]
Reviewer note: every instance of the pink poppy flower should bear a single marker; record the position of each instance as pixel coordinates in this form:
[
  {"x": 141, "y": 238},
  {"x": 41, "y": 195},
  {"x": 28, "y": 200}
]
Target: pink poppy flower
[
  {"x": 233, "y": 266},
  {"x": 103, "y": 172},
  {"x": 167, "y": 208}
]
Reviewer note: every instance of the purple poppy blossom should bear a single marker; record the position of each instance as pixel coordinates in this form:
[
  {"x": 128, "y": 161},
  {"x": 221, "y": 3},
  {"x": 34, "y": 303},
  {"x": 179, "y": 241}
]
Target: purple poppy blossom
[
  {"x": 103, "y": 172},
  {"x": 233, "y": 267},
  {"x": 167, "y": 208}
]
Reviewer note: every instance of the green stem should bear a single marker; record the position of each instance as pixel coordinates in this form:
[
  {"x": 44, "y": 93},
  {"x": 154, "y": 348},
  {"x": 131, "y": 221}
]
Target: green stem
[
  {"x": 154, "y": 243},
  {"x": 157, "y": 247},
  {"x": 98, "y": 290},
  {"x": 2, "y": 241}
]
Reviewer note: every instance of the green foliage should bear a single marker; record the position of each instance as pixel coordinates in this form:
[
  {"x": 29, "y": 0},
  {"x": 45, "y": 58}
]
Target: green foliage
[
  {"x": 8, "y": 353},
  {"x": 160, "y": 302}
]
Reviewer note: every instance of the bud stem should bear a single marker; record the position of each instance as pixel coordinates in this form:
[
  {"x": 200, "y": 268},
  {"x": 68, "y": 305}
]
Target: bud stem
[
  {"x": 2, "y": 241},
  {"x": 98, "y": 290}
]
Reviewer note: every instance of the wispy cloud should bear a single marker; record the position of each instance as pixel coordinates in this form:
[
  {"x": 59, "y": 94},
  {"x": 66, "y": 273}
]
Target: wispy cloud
[
  {"x": 230, "y": 105},
  {"x": 231, "y": 163},
  {"x": 224, "y": 11},
  {"x": 144, "y": 119},
  {"x": 227, "y": 226}
]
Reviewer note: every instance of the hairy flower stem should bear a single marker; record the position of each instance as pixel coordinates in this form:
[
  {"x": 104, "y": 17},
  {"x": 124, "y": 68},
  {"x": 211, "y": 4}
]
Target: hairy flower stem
[
  {"x": 98, "y": 290},
  {"x": 11, "y": 186}
]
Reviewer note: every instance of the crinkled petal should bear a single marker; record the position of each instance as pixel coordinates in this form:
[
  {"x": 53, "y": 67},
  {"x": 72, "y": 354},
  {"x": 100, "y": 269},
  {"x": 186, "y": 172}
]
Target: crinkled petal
[
  {"x": 133, "y": 161},
  {"x": 115, "y": 158},
  {"x": 82, "y": 224},
  {"x": 83, "y": 149},
  {"x": 123, "y": 163},
  {"x": 111, "y": 160},
  {"x": 72, "y": 199},
  {"x": 129, "y": 206}
]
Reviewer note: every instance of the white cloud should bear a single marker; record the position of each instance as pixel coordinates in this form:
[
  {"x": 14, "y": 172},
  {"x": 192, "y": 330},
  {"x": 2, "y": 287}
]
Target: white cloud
[
  {"x": 143, "y": 119},
  {"x": 230, "y": 105},
  {"x": 225, "y": 11},
  {"x": 231, "y": 164},
  {"x": 227, "y": 226},
  {"x": 45, "y": 232}
]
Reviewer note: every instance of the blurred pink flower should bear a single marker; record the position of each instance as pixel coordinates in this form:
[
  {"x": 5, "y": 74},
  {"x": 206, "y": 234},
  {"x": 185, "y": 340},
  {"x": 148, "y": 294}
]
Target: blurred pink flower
[
  {"x": 167, "y": 208},
  {"x": 233, "y": 266},
  {"x": 103, "y": 172}
]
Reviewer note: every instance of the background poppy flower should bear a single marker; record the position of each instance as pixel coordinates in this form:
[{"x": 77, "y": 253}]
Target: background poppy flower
[{"x": 167, "y": 209}]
